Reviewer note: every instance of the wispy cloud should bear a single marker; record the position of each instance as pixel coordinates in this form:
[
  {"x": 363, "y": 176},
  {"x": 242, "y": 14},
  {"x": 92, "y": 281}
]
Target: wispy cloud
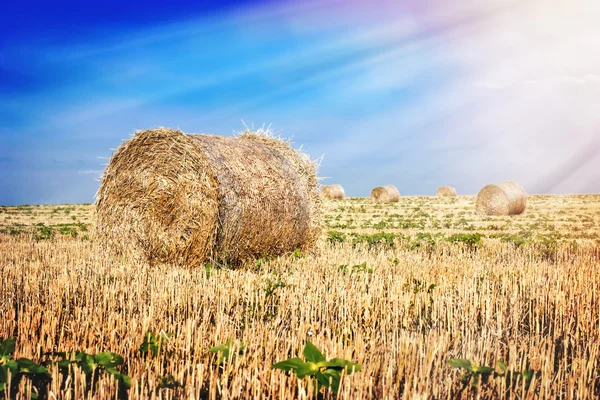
[
  {"x": 403, "y": 93},
  {"x": 488, "y": 85}
]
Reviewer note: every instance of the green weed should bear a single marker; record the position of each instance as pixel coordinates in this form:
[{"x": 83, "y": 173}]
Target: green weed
[{"x": 316, "y": 366}]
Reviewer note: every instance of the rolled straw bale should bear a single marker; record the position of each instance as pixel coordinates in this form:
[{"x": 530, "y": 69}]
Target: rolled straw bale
[
  {"x": 506, "y": 198},
  {"x": 170, "y": 197},
  {"x": 333, "y": 192},
  {"x": 385, "y": 194},
  {"x": 446, "y": 191}
]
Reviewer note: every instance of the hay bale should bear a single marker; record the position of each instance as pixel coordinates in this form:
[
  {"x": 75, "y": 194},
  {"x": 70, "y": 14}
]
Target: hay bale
[
  {"x": 385, "y": 194},
  {"x": 446, "y": 191},
  {"x": 506, "y": 198},
  {"x": 333, "y": 192},
  {"x": 170, "y": 197}
]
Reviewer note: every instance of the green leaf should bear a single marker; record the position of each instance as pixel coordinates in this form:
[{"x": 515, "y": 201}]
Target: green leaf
[
  {"x": 290, "y": 364},
  {"x": 27, "y": 366},
  {"x": 108, "y": 359},
  {"x": 86, "y": 362},
  {"x": 3, "y": 376},
  {"x": 339, "y": 363},
  {"x": 12, "y": 366},
  {"x": 330, "y": 379},
  {"x": 149, "y": 344},
  {"x": 7, "y": 347},
  {"x": 219, "y": 348},
  {"x": 483, "y": 370},
  {"x": 226, "y": 350},
  {"x": 460, "y": 363},
  {"x": 311, "y": 353},
  {"x": 34, "y": 395},
  {"x": 152, "y": 343},
  {"x": 502, "y": 366},
  {"x": 125, "y": 381},
  {"x": 306, "y": 369},
  {"x": 528, "y": 375},
  {"x": 168, "y": 382}
]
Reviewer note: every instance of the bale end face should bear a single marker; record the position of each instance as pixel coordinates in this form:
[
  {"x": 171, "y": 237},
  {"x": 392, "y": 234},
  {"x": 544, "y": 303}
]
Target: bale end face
[
  {"x": 157, "y": 200},
  {"x": 385, "y": 194},
  {"x": 505, "y": 198},
  {"x": 333, "y": 192},
  {"x": 446, "y": 191}
]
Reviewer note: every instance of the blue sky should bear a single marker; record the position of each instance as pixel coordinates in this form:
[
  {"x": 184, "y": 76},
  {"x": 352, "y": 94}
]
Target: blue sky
[{"x": 418, "y": 95}]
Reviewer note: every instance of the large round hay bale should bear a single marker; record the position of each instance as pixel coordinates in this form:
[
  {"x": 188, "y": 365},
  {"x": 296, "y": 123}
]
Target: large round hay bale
[
  {"x": 170, "y": 197},
  {"x": 333, "y": 192},
  {"x": 385, "y": 194},
  {"x": 506, "y": 198},
  {"x": 446, "y": 191}
]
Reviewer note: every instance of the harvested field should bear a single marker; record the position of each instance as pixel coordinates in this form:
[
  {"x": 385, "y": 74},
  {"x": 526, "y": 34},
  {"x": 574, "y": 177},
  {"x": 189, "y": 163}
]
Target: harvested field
[{"x": 401, "y": 288}]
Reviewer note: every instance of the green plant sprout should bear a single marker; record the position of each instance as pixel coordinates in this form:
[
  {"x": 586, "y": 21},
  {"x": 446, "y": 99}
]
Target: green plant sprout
[
  {"x": 12, "y": 371},
  {"x": 227, "y": 351},
  {"x": 154, "y": 343},
  {"x": 316, "y": 366},
  {"x": 477, "y": 373},
  {"x": 92, "y": 365},
  {"x": 356, "y": 268}
]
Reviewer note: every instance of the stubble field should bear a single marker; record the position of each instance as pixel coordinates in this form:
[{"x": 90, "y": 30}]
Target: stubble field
[{"x": 404, "y": 289}]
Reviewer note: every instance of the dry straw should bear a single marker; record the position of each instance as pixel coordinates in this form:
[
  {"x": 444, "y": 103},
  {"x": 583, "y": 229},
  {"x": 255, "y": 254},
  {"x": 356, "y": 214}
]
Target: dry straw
[
  {"x": 446, "y": 191},
  {"x": 385, "y": 194},
  {"x": 333, "y": 192},
  {"x": 170, "y": 197},
  {"x": 506, "y": 198}
]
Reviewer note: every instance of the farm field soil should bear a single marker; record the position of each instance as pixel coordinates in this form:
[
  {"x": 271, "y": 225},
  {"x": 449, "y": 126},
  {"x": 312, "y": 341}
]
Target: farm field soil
[{"x": 400, "y": 288}]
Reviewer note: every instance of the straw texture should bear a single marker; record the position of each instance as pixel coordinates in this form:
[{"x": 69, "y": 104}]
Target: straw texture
[
  {"x": 446, "y": 191},
  {"x": 170, "y": 197},
  {"x": 506, "y": 198},
  {"x": 333, "y": 192},
  {"x": 385, "y": 194}
]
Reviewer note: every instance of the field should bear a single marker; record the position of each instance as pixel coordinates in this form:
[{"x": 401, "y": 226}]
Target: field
[{"x": 403, "y": 289}]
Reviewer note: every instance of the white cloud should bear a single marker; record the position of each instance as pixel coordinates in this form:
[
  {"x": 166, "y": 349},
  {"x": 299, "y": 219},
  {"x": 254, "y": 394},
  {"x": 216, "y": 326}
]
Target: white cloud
[
  {"x": 586, "y": 79},
  {"x": 487, "y": 85},
  {"x": 531, "y": 96}
]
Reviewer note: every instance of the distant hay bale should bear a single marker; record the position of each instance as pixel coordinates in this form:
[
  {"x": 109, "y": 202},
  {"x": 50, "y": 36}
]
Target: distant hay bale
[
  {"x": 385, "y": 194},
  {"x": 333, "y": 192},
  {"x": 446, "y": 191},
  {"x": 506, "y": 198},
  {"x": 170, "y": 197}
]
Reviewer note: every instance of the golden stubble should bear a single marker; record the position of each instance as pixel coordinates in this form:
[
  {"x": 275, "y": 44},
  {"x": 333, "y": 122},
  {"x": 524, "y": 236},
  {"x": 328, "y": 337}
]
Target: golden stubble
[{"x": 500, "y": 302}]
